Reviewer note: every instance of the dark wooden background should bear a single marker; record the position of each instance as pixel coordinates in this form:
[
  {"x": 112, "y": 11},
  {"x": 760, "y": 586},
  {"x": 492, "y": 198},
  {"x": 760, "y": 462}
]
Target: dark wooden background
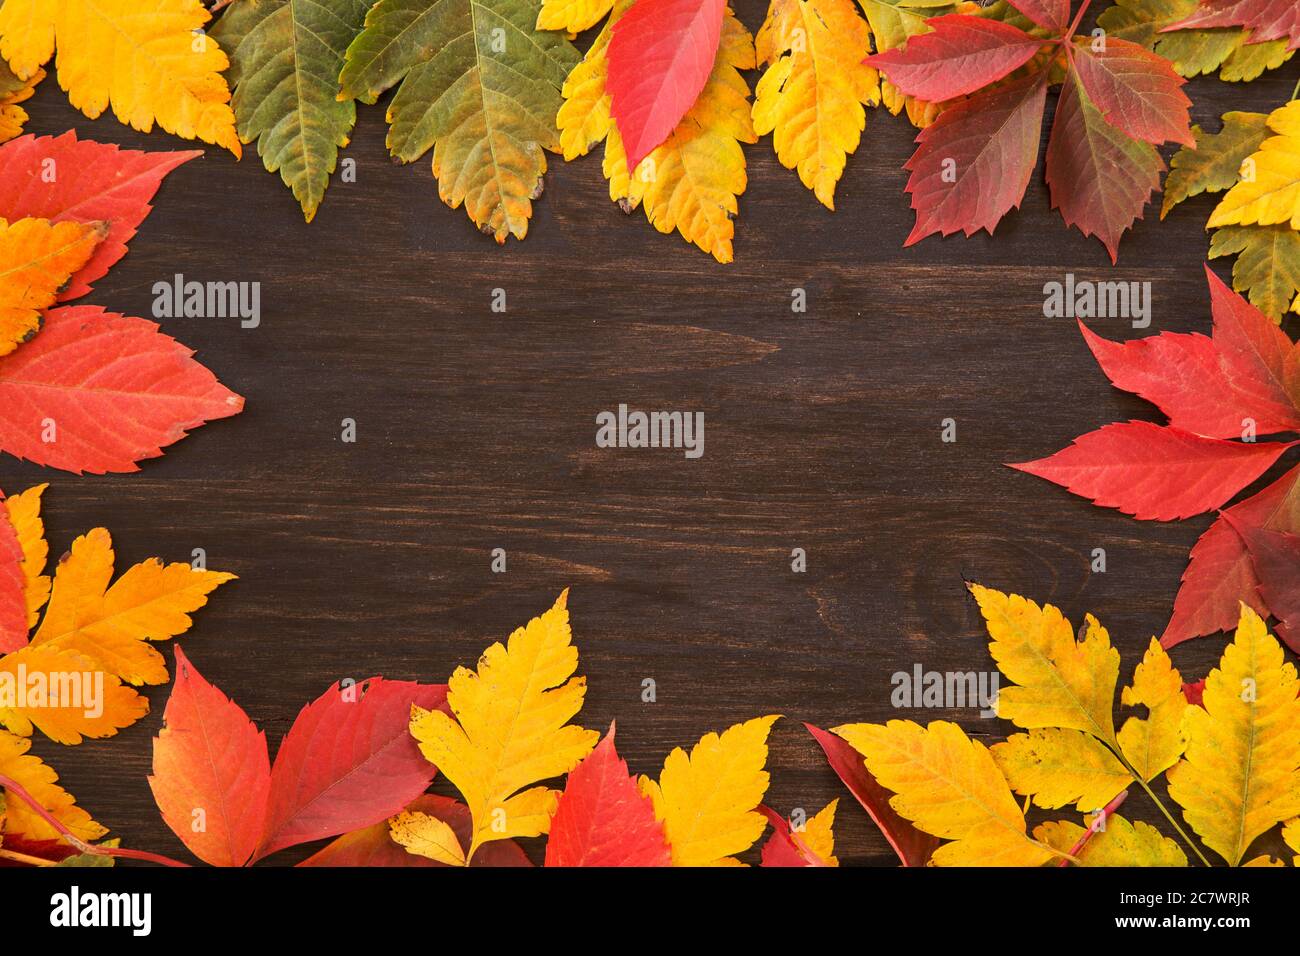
[{"x": 476, "y": 431}]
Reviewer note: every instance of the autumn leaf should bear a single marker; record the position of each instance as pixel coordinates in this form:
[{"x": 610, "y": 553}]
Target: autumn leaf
[
  {"x": 602, "y": 819},
  {"x": 811, "y": 96},
  {"x": 572, "y": 16},
  {"x": 27, "y": 770},
  {"x": 813, "y": 844},
  {"x": 708, "y": 800},
  {"x": 1265, "y": 19},
  {"x": 483, "y": 97},
  {"x": 1275, "y": 559},
  {"x": 1240, "y": 775},
  {"x": 148, "y": 59},
  {"x": 948, "y": 785},
  {"x": 511, "y": 729},
  {"x": 1153, "y": 744},
  {"x": 1120, "y": 843},
  {"x": 285, "y": 58},
  {"x": 37, "y": 258},
  {"x": 1060, "y": 767},
  {"x": 14, "y": 623},
  {"x": 1272, "y": 194},
  {"x": 14, "y": 91}
]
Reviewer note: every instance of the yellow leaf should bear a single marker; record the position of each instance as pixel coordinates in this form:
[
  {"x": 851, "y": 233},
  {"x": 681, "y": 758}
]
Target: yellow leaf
[
  {"x": 1271, "y": 192},
  {"x": 149, "y": 59},
  {"x": 1240, "y": 775},
  {"x": 708, "y": 801},
  {"x": 37, "y": 258},
  {"x": 41, "y": 782},
  {"x": 813, "y": 92},
  {"x": 948, "y": 785},
  {"x": 1121, "y": 843},
  {"x": 513, "y": 728},
  {"x": 427, "y": 836},
  {"x": 1291, "y": 835},
  {"x": 1153, "y": 744},
  {"x": 113, "y": 626},
  {"x": 1058, "y": 767},
  {"x": 13, "y": 116},
  {"x": 818, "y": 834},
  {"x": 573, "y": 16},
  {"x": 90, "y": 701},
  {"x": 1060, "y": 682},
  {"x": 584, "y": 120},
  {"x": 25, "y": 516}
]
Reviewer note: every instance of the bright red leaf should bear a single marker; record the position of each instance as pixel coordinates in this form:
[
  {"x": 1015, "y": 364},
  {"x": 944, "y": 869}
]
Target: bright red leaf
[
  {"x": 13, "y": 587},
  {"x": 960, "y": 55},
  {"x": 89, "y": 367},
  {"x": 1256, "y": 355},
  {"x": 1266, "y": 19},
  {"x": 602, "y": 818},
  {"x": 660, "y": 57}
]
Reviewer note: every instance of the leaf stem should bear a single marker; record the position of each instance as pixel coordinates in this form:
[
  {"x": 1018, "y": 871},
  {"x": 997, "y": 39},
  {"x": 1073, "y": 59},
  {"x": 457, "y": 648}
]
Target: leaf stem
[
  {"x": 1295, "y": 92},
  {"x": 1098, "y": 823},
  {"x": 1078, "y": 18},
  {"x": 1161, "y": 807},
  {"x": 82, "y": 846}
]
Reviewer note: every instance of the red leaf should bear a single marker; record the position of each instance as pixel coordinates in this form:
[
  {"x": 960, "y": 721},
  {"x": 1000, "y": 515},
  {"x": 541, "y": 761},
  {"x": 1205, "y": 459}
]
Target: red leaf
[
  {"x": 1275, "y": 556},
  {"x": 1053, "y": 15},
  {"x": 63, "y": 178},
  {"x": 348, "y": 761},
  {"x": 602, "y": 819},
  {"x": 374, "y": 846},
  {"x": 912, "y": 846},
  {"x": 209, "y": 757},
  {"x": 1266, "y": 19},
  {"x": 1099, "y": 178},
  {"x": 1195, "y": 693},
  {"x": 89, "y": 370},
  {"x": 1219, "y": 575},
  {"x": 1155, "y": 472},
  {"x": 961, "y": 55},
  {"x": 975, "y": 161},
  {"x": 13, "y": 587},
  {"x": 782, "y": 848},
  {"x": 660, "y": 57},
  {"x": 1137, "y": 91}
]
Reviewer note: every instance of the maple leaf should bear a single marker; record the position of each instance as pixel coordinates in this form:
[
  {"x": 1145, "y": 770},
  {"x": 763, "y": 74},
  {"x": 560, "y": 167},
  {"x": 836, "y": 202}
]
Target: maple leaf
[
  {"x": 483, "y": 97},
  {"x": 1240, "y": 775},
  {"x": 14, "y": 91},
  {"x": 813, "y": 844},
  {"x": 1118, "y": 102},
  {"x": 285, "y": 58},
  {"x": 948, "y": 785},
  {"x": 1120, "y": 843},
  {"x": 811, "y": 96},
  {"x": 37, "y": 258},
  {"x": 511, "y": 729},
  {"x": 149, "y": 59},
  {"x": 20, "y": 822},
  {"x": 1265, "y": 19},
  {"x": 602, "y": 819},
  {"x": 709, "y": 800}
]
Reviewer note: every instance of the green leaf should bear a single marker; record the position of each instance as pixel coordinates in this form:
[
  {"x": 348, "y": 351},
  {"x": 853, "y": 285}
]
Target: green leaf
[
  {"x": 1215, "y": 164},
  {"x": 480, "y": 86},
  {"x": 1267, "y": 266}
]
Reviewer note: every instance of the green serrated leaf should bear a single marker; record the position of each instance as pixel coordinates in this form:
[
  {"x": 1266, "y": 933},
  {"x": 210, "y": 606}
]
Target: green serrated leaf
[
  {"x": 92, "y": 859},
  {"x": 1267, "y": 266},
  {"x": 480, "y": 85},
  {"x": 285, "y": 58},
  {"x": 1215, "y": 164}
]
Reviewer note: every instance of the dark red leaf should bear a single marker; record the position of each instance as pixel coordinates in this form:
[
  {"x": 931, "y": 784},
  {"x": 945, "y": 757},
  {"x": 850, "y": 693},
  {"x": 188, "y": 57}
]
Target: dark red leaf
[
  {"x": 1137, "y": 91},
  {"x": 1053, "y": 15},
  {"x": 1275, "y": 556},
  {"x": 1266, "y": 19}
]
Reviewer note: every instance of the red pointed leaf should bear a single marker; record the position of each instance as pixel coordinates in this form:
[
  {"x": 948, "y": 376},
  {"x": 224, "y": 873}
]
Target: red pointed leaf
[
  {"x": 660, "y": 57},
  {"x": 13, "y": 587},
  {"x": 348, "y": 761},
  {"x": 374, "y": 846},
  {"x": 1137, "y": 91},
  {"x": 974, "y": 163},
  {"x": 63, "y": 178},
  {"x": 960, "y": 55},
  {"x": 211, "y": 774},
  {"x": 1053, "y": 15},
  {"x": 1275, "y": 556},
  {"x": 1266, "y": 19},
  {"x": 89, "y": 368},
  {"x": 913, "y": 847},
  {"x": 1195, "y": 693},
  {"x": 602, "y": 819},
  {"x": 1154, "y": 472}
]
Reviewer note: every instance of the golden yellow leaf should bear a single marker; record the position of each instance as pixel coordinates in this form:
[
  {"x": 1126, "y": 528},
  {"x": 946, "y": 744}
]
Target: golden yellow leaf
[
  {"x": 65, "y": 694},
  {"x": 1121, "y": 843},
  {"x": 1059, "y": 682},
  {"x": 14, "y": 91},
  {"x": 426, "y": 835},
  {"x": 149, "y": 59},
  {"x": 708, "y": 800},
  {"x": 1240, "y": 775},
  {"x": 1269, "y": 191},
  {"x": 818, "y": 834},
  {"x": 1291, "y": 835},
  {"x": 1153, "y": 744},
  {"x": 25, "y": 516},
  {"x": 37, "y": 258},
  {"x": 1264, "y": 860},
  {"x": 950, "y": 786},
  {"x": 511, "y": 729},
  {"x": 812, "y": 95},
  {"x": 572, "y": 16},
  {"x": 41, "y": 782},
  {"x": 584, "y": 119},
  {"x": 1058, "y": 767}
]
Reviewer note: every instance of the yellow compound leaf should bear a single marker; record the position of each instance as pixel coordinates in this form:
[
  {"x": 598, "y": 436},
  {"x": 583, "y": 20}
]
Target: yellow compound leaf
[
  {"x": 427, "y": 836},
  {"x": 148, "y": 59},
  {"x": 113, "y": 626},
  {"x": 37, "y": 258},
  {"x": 948, "y": 785},
  {"x": 12, "y": 92},
  {"x": 1240, "y": 775},
  {"x": 25, "y": 515},
  {"x": 66, "y": 695},
  {"x": 41, "y": 782},
  {"x": 573, "y": 16},
  {"x": 511, "y": 729},
  {"x": 1121, "y": 843},
  {"x": 1059, "y": 767},
  {"x": 708, "y": 800},
  {"x": 1059, "y": 682},
  {"x": 1153, "y": 744},
  {"x": 1270, "y": 191},
  {"x": 812, "y": 95}
]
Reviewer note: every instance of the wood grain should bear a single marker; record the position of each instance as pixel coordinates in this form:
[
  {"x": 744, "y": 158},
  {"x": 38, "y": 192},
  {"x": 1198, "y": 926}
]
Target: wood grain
[{"x": 476, "y": 431}]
